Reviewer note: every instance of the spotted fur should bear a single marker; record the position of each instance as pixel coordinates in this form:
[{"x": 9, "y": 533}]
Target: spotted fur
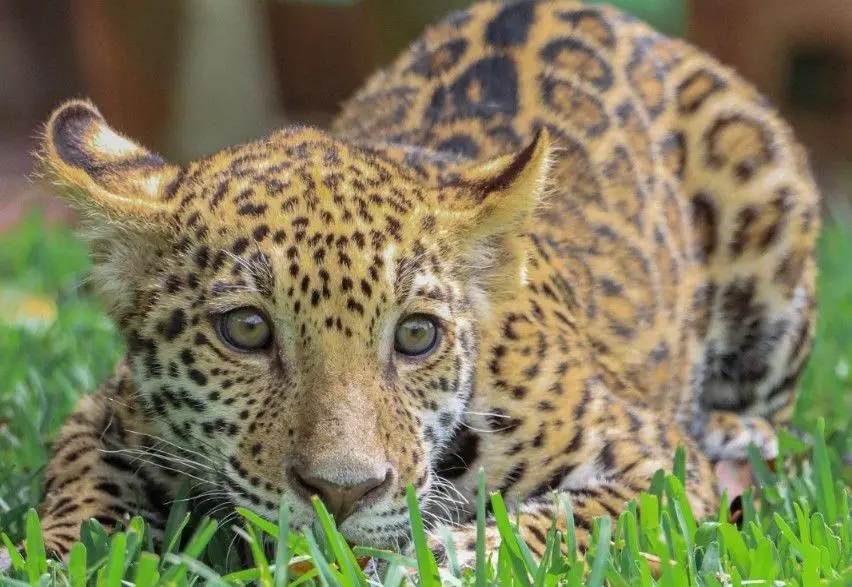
[{"x": 614, "y": 231}]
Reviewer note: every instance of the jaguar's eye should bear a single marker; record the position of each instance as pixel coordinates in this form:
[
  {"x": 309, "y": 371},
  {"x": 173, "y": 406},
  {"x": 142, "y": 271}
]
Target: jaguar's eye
[
  {"x": 416, "y": 335},
  {"x": 245, "y": 329}
]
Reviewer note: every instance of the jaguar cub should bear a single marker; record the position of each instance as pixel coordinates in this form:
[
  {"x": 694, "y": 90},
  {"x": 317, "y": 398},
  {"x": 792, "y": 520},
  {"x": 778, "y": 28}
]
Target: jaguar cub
[{"x": 546, "y": 241}]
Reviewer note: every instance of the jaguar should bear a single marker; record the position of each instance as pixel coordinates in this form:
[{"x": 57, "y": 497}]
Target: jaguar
[{"x": 546, "y": 242}]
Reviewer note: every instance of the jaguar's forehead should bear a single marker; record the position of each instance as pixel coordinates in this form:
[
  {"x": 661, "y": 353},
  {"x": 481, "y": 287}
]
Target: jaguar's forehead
[
  {"x": 304, "y": 218},
  {"x": 297, "y": 178}
]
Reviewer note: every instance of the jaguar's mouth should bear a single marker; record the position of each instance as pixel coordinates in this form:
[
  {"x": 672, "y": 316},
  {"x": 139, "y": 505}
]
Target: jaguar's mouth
[{"x": 383, "y": 528}]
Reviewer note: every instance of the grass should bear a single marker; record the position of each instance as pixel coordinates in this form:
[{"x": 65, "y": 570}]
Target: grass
[{"x": 55, "y": 345}]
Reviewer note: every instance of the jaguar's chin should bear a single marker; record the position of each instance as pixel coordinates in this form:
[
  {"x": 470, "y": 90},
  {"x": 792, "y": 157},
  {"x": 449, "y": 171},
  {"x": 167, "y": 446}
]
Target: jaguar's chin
[{"x": 390, "y": 534}]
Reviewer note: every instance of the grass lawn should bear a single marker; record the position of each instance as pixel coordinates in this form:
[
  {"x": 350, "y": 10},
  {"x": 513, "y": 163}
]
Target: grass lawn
[{"x": 55, "y": 344}]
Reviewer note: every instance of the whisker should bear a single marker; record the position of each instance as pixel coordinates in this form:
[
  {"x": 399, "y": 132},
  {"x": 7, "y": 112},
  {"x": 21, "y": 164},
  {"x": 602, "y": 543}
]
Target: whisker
[
  {"x": 220, "y": 508},
  {"x": 201, "y": 498},
  {"x": 142, "y": 460},
  {"x": 486, "y": 414},
  {"x": 140, "y": 454},
  {"x": 155, "y": 452},
  {"x": 180, "y": 448},
  {"x": 444, "y": 484}
]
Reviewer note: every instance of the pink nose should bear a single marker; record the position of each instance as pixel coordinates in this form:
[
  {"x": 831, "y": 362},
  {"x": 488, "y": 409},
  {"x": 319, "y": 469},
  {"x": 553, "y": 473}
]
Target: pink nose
[{"x": 340, "y": 500}]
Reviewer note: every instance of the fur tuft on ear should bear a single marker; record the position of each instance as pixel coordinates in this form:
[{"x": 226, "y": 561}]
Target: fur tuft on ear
[
  {"x": 497, "y": 201},
  {"x": 104, "y": 173}
]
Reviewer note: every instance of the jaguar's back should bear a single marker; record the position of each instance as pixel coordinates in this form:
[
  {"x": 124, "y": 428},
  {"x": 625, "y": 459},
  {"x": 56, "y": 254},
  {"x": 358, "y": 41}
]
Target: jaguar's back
[{"x": 681, "y": 224}]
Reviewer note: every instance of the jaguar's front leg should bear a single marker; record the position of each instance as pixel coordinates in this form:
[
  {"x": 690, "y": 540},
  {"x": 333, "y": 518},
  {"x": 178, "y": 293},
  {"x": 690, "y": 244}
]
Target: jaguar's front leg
[
  {"x": 606, "y": 472},
  {"x": 100, "y": 470}
]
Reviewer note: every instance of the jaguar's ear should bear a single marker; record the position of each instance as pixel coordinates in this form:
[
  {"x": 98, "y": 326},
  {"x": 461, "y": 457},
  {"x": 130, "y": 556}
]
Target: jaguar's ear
[
  {"x": 123, "y": 192},
  {"x": 104, "y": 174},
  {"x": 501, "y": 198}
]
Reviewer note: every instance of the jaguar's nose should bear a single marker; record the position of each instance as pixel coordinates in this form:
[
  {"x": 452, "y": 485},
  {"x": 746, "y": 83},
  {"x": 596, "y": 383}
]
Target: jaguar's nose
[{"x": 341, "y": 499}]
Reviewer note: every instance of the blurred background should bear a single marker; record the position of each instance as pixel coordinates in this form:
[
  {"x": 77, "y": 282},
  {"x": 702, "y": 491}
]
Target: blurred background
[{"x": 186, "y": 77}]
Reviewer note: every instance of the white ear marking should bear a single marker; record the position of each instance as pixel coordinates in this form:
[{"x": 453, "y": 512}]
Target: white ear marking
[{"x": 107, "y": 140}]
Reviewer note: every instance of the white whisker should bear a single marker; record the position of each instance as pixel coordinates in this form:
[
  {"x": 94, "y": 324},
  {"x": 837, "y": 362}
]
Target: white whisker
[{"x": 182, "y": 448}]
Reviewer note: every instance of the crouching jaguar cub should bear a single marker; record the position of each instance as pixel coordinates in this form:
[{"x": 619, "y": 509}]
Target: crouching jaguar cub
[{"x": 546, "y": 241}]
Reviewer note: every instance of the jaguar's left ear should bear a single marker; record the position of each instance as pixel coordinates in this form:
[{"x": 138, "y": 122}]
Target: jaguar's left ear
[
  {"x": 105, "y": 174},
  {"x": 497, "y": 201},
  {"x": 123, "y": 190}
]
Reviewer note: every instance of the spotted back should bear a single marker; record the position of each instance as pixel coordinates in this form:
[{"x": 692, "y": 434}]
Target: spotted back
[{"x": 682, "y": 217}]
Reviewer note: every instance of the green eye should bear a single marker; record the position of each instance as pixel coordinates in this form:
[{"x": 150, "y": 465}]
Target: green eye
[
  {"x": 416, "y": 335},
  {"x": 245, "y": 329}
]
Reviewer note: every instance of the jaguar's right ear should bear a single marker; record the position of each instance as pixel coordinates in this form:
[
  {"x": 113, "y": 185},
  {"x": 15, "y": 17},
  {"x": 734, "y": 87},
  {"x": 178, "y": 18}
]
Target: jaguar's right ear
[{"x": 105, "y": 174}]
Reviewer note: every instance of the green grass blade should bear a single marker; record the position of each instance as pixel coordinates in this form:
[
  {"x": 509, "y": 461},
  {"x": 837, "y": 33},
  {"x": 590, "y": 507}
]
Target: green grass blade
[
  {"x": 425, "y": 559},
  {"x": 763, "y": 477},
  {"x": 450, "y": 548},
  {"x": 261, "y": 523},
  {"x": 15, "y": 557},
  {"x": 96, "y": 540},
  {"x": 679, "y": 465},
  {"x": 338, "y": 545},
  {"x": 194, "y": 549},
  {"x": 326, "y": 574},
  {"x": 680, "y": 507},
  {"x": 36, "y": 556},
  {"x": 749, "y": 512},
  {"x": 658, "y": 484},
  {"x": 826, "y": 500},
  {"x": 394, "y": 576},
  {"x": 77, "y": 565},
  {"x": 631, "y": 543},
  {"x": 115, "y": 562},
  {"x": 509, "y": 539},
  {"x": 177, "y": 520},
  {"x": 201, "y": 538},
  {"x": 602, "y": 554},
  {"x": 9, "y": 582},
  {"x": 505, "y": 572},
  {"x": 803, "y": 524},
  {"x": 481, "y": 562},
  {"x": 649, "y": 522},
  {"x": 246, "y": 576},
  {"x": 174, "y": 534},
  {"x": 686, "y": 524},
  {"x": 196, "y": 567},
  {"x": 674, "y": 552},
  {"x": 265, "y": 576},
  {"x": 309, "y": 576},
  {"x": 282, "y": 554},
  {"x": 147, "y": 570},
  {"x": 788, "y": 533},
  {"x": 613, "y": 577},
  {"x": 570, "y": 532},
  {"x": 549, "y": 559},
  {"x": 735, "y": 546},
  {"x": 842, "y": 580}
]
